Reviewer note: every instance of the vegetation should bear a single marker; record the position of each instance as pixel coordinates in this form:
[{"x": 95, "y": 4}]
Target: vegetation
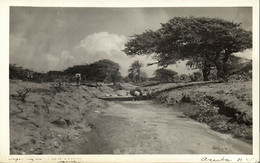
[
  {"x": 184, "y": 78},
  {"x": 100, "y": 71},
  {"x": 207, "y": 42},
  {"x": 23, "y": 94},
  {"x": 196, "y": 76},
  {"x": 18, "y": 72},
  {"x": 239, "y": 69},
  {"x": 165, "y": 75},
  {"x": 103, "y": 70},
  {"x": 135, "y": 73}
]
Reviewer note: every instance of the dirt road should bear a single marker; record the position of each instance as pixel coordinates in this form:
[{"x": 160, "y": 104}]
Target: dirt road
[{"x": 146, "y": 128}]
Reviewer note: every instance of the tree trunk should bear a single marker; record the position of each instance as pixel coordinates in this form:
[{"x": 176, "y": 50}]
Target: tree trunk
[
  {"x": 220, "y": 71},
  {"x": 222, "y": 68},
  {"x": 206, "y": 71},
  {"x": 225, "y": 67}
]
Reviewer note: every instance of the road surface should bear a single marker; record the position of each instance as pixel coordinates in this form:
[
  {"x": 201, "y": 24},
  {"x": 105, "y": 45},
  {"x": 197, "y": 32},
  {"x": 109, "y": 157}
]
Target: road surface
[{"x": 142, "y": 127}]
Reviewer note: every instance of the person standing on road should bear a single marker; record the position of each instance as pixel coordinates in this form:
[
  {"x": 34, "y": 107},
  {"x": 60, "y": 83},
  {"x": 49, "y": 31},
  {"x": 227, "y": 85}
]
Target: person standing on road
[{"x": 78, "y": 79}]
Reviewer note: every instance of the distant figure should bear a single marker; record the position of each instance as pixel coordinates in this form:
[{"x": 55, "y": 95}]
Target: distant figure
[
  {"x": 145, "y": 92},
  {"x": 78, "y": 79},
  {"x": 137, "y": 95}
]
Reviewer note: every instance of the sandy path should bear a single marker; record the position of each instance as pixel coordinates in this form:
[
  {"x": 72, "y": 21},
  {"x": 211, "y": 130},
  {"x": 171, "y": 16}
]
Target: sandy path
[{"x": 146, "y": 128}]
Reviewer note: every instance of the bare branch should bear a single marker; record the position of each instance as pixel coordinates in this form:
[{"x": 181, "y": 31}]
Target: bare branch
[{"x": 22, "y": 94}]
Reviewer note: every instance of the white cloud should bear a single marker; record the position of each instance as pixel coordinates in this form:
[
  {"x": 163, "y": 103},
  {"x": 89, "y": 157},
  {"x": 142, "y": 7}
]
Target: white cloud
[
  {"x": 20, "y": 52},
  {"x": 17, "y": 43},
  {"x": 109, "y": 46},
  {"x": 247, "y": 54},
  {"x": 66, "y": 55},
  {"x": 92, "y": 48},
  {"x": 103, "y": 42}
]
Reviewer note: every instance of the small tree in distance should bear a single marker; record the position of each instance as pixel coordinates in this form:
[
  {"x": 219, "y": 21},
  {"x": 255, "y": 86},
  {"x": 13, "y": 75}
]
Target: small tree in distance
[
  {"x": 184, "y": 78},
  {"x": 165, "y": 75},
  {"x": 196, "y": 76},
  {"x": 134, "y": 72}
]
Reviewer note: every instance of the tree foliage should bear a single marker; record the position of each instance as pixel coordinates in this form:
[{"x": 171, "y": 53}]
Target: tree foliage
[
  {"x": 16, "y": 72},
  {"x": 196, "y": 76},
  {"x": 135, "y": 72},
  {"x": 207, "y": 42},
  {"x": 103, "y": 70},
  {"x": 20, "y": 73},
  {"x": 184, "y": 78},
  {"x": 165, "y": 75},
  {"x": 100, "y": 71},
  {"x": 240, "y": 68}
]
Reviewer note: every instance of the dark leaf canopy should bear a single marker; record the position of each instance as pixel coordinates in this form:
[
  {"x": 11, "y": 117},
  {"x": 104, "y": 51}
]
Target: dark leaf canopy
[
  {"x": 166, "y": 75},
  {"x": 182, "y": 38}
]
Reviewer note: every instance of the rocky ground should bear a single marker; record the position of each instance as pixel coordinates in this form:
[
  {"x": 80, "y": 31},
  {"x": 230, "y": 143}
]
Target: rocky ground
[
  {"x": 225, "y": 107},
  {"x": 51, "y": 116}
]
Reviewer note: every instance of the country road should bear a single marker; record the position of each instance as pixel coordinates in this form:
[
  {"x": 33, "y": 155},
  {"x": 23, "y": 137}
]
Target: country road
[{"x": 142, "y": 127}]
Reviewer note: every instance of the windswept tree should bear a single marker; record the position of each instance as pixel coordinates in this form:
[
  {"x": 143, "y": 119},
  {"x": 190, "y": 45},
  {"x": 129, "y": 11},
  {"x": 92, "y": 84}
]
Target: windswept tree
[
  {"x": 135, "y": 72},
  {"x": 165, "y": 75},
  {"x": 206, "y": 42}
]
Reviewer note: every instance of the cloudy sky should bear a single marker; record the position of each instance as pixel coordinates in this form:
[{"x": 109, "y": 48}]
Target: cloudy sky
[{"x": 46, "y": 39}]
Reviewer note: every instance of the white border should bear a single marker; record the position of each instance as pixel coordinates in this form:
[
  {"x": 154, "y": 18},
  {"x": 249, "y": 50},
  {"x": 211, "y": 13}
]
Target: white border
[{"x": 4, "y": 82}]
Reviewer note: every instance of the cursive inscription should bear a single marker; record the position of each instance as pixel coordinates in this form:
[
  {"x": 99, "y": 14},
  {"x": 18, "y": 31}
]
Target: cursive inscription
[{"x": 223, "y": 159}]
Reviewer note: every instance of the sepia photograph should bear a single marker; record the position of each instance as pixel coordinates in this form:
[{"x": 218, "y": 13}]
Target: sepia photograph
[{"x": 131, "y": 81}]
